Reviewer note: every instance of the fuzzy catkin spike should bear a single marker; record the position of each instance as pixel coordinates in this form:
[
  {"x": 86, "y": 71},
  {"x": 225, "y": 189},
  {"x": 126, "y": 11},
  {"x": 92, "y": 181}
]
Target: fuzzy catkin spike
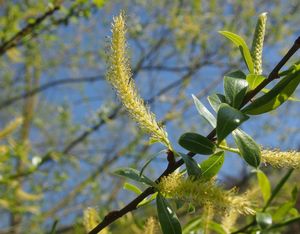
[
  {"x": 119, "y": 75},
  {"x": 202, "y": 193},
  {"x": 151, "y": 226},
  {"x": 258, "y": 42},
  {"x": 277, "y": 158},
  {"x": 90, "y": 218},
  {"x": 11, "y": 127}
]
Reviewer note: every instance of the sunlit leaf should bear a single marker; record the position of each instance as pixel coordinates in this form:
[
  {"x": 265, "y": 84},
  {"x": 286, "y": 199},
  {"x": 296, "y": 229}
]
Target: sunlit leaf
[
  {"x": 254, "y": 80},
  {"x": 215, "y": 100},
  {"x": 211, "y": 166},
  {"x": 204, "y": 112},
  {"x": 132, "y": 188},
  {"x": 275, "y": 97},
  {"x": 240, "y": 42},
  {"x": 264, "y": 184}
]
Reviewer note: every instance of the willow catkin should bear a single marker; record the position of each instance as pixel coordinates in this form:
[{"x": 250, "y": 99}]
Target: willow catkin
[
  {"x": 258, "y": 42},
  {"x": 119, "y": 75}
]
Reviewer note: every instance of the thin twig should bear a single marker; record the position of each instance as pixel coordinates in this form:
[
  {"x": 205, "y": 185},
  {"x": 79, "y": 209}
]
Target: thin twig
[
  {"x": 29, "y": 28},
  {"x": 46, "y": 86}
]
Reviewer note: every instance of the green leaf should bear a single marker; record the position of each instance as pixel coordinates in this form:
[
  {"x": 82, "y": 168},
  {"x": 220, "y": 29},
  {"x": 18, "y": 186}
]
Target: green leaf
[
  {"x": 132, "y": 188},
  {"x": 215, "y": 100},
  {"x": 54, "y": 227},
  {"x": 196, "y": 143},
  {"x": 217, "y": 228},
  {"x": 235, "y": 87},
  {"x": 204, "y": 112},
  {"x": 282, "y": 211},
  {"x": 192, "y": 225},
  {"x": 196, "y": 224},
  {"x": 254, "y": 80},
  {"x": 240, "y": 42},
  {"x": 147, "y": 200},
  {"x": 264, "y": 185},
  {"x": 134, "y": 175},
  {"x": 150, "y": 160},
  {"x": 192, "y": 167},
  {"x": 264, "y": 220},
  {"x": 228, "y": 119},
  {"x": 211, "y": 166},
  {"x": 279, "y": 186},
  {"x": 275, "y": 97},
  {"x": 167, "y": 217},
  {"x": 248, "y": 148}
]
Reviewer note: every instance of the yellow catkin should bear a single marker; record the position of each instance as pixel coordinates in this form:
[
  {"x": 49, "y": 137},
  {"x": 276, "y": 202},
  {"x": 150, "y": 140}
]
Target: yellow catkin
[
  {"x": 151, "y": 226},
  {"x": 202, "y": 193},
  {"x": 208, "y": 215},
  {"x": 90, "y": 218},
  {"x": 277, "y": 158},
  {"x": 258, "y": 42},
  {"x": 119, "y": 75},
  {"x": 229, "y": 220},
  {"x": 10, "y": 127}
]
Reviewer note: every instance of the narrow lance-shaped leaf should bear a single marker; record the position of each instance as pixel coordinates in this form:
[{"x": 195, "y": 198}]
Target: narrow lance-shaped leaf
[
  {"x": 150, "y": 160},
  {"x": 235, "y": 87},
  {"x": 167, "y": 217},
  {"x": 248, "y": 148},
  {"x": 264, "y": 185},
  {"x": 192, "y": 167},
  {"x": 134, "y": 175},
  {"x": 204, "y": 112},
  {"x": 211, "y": 166},
  {"x": 240, "y": 42},
  {"x": 228, "y": 119},
  {"x": 132, "y": 188},
  {"x": 255, "y": 80},
  {"x": 282, "y": 211},
  {"x": 196, "y": 143},
  {"x": 215, "y": 100},
  {"x": 275, "y": 97}
]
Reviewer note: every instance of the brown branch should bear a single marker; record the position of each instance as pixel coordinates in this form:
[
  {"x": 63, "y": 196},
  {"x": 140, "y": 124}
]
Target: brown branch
[
  {"x": 46, "y": 86},
  {"x": 29, "y": 28},
  {"x": 114, "y": 215}
]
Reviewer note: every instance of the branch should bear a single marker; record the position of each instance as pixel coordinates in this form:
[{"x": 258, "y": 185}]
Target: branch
[
  {"x": 46, "y": 86},
  {"x": 114, "y": 215},
  {"x": 29, "y": 28}
]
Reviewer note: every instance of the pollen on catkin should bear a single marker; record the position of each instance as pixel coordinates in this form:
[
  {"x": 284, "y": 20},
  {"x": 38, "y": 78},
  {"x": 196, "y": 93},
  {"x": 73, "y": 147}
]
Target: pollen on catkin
[
  {"x": 258, "y": 42},
  {"x": 11, "y": 127},
  {"x": 277, "y": 158},
  {"x": 90, "y": 218},
  {"x": 201, "y": 193},
  {"x": 151, "y": 226},
  {"x": 119, "y": 75}
]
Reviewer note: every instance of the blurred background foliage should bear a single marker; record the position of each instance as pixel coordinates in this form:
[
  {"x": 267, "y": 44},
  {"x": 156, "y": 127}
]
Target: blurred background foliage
[{"x": 69, "y": 131}]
